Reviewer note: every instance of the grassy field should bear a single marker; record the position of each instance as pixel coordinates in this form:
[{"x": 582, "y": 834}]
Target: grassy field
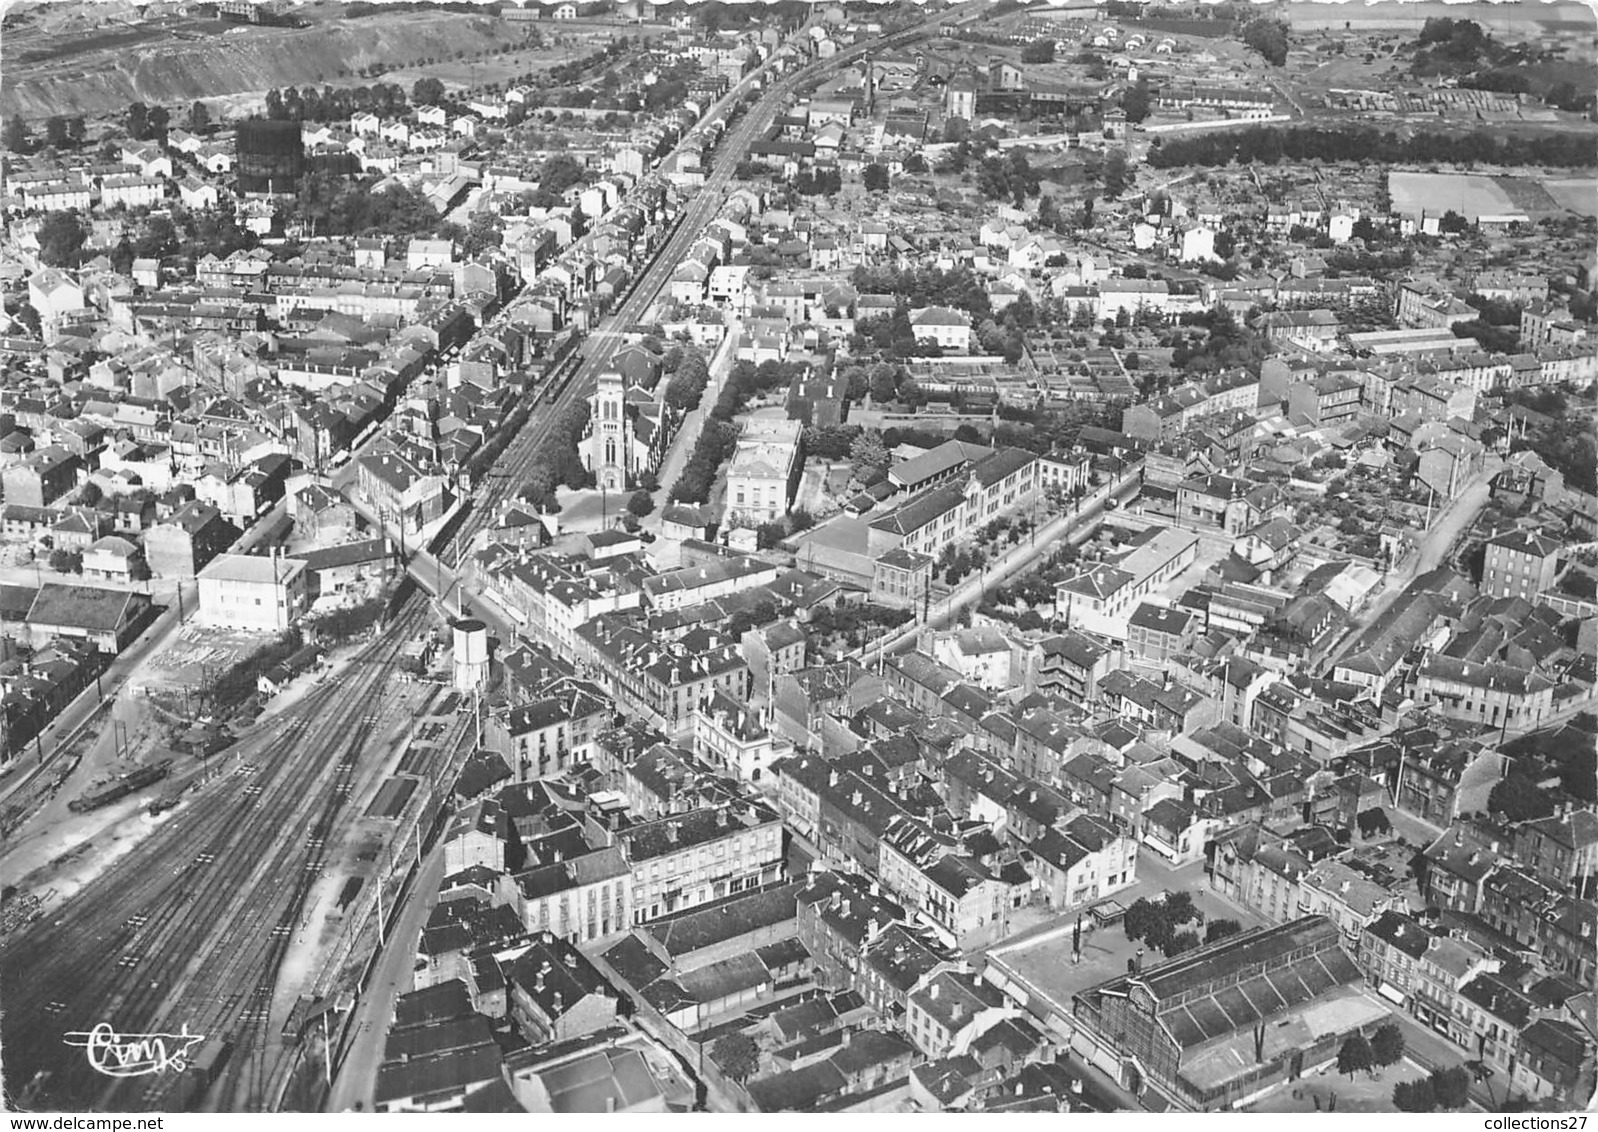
[
  {"x": 1528, "y": 14},
  {"x": 1347, "y": 72},
  {"x": 1473, "y": 195},
  {"x": 1579, "y": 195},
  {"x": 505, "y": 68},
  {"x": 479, "y": 72}
]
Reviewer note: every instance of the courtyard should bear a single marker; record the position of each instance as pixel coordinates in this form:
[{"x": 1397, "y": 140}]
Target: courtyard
[
  {"x": 1315, "y": 1092},
  {"x": 1042, "y": 956}
]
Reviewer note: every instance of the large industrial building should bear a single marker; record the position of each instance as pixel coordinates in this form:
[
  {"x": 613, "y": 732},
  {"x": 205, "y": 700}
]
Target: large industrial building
[{"x": 1218, "y": 1024}]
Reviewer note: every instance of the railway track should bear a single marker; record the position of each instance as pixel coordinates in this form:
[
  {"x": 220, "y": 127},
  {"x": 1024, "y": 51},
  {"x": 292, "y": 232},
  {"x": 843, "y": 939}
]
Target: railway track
[
  {"x": 511, "y": 469},
  {"x": 150, "y": 947}
]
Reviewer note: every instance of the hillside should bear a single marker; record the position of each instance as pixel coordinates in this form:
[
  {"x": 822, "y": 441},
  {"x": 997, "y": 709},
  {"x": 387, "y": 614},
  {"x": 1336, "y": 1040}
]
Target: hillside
[{"x": 101, "y": 71}]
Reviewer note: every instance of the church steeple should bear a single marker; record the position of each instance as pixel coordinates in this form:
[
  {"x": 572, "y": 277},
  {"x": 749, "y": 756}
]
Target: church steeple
[{"x": 607, "y": 449}]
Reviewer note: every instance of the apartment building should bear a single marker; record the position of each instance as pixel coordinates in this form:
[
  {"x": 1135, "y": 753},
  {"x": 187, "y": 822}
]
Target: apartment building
[
  {"x": 681, "y": 861},
  {"x": 764, "y": 471},
  {"x": 1519, "y": 564}
]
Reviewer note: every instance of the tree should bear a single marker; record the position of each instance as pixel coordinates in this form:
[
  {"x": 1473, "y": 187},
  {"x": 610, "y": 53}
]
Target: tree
[
  {"x": 159, "y": 238},
  {"x": 76, "y": 130},
  {"x": 55, "y": 132},
  {"x": 61, "y": 236},
  {"x": 199, "y": 117},
  {"x": 157, "y": 122},
  {"x": 1354, "y": 1056},
  {"x": 737, "y": 1055},
  {"x": 876, "y": 178},
  {"x": 90, "y": 494},
  {"x": 1451, "y": 1087},
  {"x": 1387, "y": 1044},
  {"x": 138, "y": 121},
  {"x": 1038, "y": 51},
  {"x": 66, "y": 561},
  {"x": 1518, "y": 798},
  {"x": 1269, "y": 38},
  {"x": 427, "y": 92},
  {"x": 1137, "y": 101},
  {"x": 29, "y": 318},
  {"x": 689, "y": 377},
  {"x": 1117, "y": 173},
  {"x": 868, "y": 456},
  {"x": 1220, "y": 929},
  {"x": 1452, "y": 223},
  {"x": 1179, "y": 907},
  {"x": 640, "y": 503},
  {"x": 16, "y": 138},
  {"x": 483, "y": 231},
  {"x": 1373, "y": 822},
  {"x": 1414, "y": 1096},
  {"x": 1180, "y": 942},
  {"x": 769, "y": 536}
]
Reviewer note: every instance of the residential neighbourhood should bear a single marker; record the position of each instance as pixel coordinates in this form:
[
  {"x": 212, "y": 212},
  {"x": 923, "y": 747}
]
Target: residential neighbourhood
[{"x": 869, "y": 558}]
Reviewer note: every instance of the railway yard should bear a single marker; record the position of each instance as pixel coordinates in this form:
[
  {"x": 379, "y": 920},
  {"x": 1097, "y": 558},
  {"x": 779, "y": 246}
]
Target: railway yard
[{"x": 219, "y": 921}]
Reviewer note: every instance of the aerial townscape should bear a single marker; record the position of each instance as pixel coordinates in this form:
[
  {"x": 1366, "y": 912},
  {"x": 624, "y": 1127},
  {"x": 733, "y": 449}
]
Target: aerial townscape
[{"x": 602, "y": 556}]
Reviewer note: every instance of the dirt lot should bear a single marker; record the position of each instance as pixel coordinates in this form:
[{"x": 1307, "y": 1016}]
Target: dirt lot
[{"x": 195, "y": 651}]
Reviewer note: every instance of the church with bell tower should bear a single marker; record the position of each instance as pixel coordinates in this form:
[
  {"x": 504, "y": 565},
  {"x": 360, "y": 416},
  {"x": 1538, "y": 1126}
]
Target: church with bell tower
[{"x": 628, "y": 433}]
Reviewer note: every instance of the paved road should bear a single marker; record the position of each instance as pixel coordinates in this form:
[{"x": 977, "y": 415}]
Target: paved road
[
  {"x": 357, "y": 1075},
  {"x": 701, "y": 209},
  {"x": 682, "y": 445},
  {"x": 1431, "y": 1050}
]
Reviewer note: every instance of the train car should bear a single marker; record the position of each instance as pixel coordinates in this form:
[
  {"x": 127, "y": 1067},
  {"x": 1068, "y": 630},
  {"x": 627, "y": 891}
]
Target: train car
[
  {"x": 127, "y": 784},
  {"x": 195, "y": 1082}
]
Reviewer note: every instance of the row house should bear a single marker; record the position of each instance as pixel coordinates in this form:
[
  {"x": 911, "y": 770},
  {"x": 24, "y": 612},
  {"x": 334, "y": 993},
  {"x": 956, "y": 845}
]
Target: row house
[
  {"x": 1084, "y": 860},
  {"x": 684, "y": 860},
  {"x": 666, "y": 682},
  {"x": 952, "y": 894}
]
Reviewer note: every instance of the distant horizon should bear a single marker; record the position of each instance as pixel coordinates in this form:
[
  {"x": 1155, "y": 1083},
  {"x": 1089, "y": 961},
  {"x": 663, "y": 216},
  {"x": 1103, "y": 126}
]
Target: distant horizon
[{"x": 1588, "y": 6}]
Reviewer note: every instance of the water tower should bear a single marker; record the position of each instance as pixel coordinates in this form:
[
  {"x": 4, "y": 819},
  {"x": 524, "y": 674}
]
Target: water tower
[{"x": 471, "y": 655}]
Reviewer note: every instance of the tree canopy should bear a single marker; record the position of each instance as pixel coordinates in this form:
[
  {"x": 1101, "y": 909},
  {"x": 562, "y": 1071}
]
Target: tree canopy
[
  {"x": 1038, "y": 51},
  {"x": 1367, "y": 144},
  {"x": 1387, "y": 1044},
  {"x": 1268, "y": 37},
  {"x": 61, "y": 236},
  {"x": 427, "y": 91},
  {"x": 1355, "y": 1055}
]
